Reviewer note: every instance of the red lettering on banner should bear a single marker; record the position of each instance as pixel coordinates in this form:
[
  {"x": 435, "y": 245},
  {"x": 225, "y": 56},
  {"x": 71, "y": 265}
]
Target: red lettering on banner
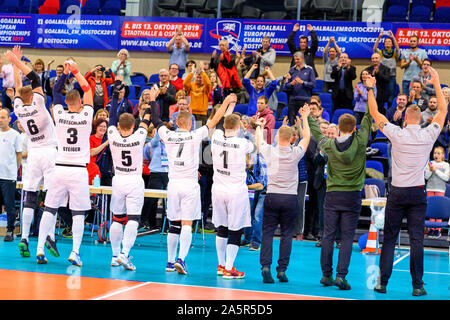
[
  {"x": 426, "y": 37},
  {"x": 133, "y": 29}
]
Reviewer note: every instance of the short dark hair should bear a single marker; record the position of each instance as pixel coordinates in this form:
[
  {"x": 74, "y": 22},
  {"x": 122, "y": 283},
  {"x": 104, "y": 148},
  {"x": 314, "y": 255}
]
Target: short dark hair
[
  {"x": 426, "y": 59},
  {"x": 266, "y": 101},
  {"x": 190, "y": 62}
]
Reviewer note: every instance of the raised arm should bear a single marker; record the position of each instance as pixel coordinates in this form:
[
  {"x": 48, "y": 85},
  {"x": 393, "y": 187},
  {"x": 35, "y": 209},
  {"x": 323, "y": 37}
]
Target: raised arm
[
  {"x": 14, "y": 57},
  {"x": 87, "y": 97},
  {"x": 375, "y": 46},
  {"x": 250, "y": 71},
  {"x": 306, "y": 133},
  {"x": 156, "y": 121},
  {"x": 113, "y": 112},
  {"x": 230, "y": 100},
  {"x": 380, "y": 120},
  {"x": 439, "y": 118}
]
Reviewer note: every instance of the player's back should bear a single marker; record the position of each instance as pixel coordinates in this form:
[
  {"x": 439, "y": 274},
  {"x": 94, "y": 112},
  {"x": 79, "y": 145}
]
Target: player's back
[
  {"x": 72, "y": 131},
  {"x": 229, "y": 160},
  {"x": 127, "y": 152},
  {"x": 36, "y": 121}
]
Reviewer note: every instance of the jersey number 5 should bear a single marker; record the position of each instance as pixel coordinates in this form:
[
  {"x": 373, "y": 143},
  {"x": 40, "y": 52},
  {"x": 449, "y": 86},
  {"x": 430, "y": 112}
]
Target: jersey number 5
[{"x": 126, "y": 158}]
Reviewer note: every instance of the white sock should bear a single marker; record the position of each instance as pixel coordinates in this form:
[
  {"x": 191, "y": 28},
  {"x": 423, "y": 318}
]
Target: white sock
[
  {"x": 115, "y": 234},
  {"x": 185, "y": 241},
  {"x": 77, "y": 232},
  {"x": 129, "y": 236},
  {"x": 221, "y": 245},
  {"x": 232, "y": 251},
  {"x": 52, "y": 229},
  {"x": 172, "y": 244},
  {"x": 44, "y": 227},
  {"x": 27, "y": 220}
]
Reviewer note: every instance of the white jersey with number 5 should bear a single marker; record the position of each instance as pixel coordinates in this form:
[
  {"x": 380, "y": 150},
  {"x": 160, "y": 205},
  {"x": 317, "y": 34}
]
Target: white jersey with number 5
[
  {"x": 183, "y": 151},
  {"x": 127, "y": 152},
  {"x": 36, "y": 121},
  {"x": 228, "y": 154},
  {"x": 73, "y": 131}
]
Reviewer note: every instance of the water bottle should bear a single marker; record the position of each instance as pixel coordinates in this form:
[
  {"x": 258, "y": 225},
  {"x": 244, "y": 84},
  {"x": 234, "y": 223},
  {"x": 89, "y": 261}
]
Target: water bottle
[
  {"x": 97, "y": 181},
  {"x": 325, "y": 172}
]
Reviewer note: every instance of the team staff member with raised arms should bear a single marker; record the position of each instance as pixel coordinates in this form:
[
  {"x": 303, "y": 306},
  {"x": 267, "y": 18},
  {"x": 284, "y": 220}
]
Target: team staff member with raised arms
[
  {"x": 128, "y": 187},
  {"x": 70, "y": 177},
  {"x": 411, "y": 147},
  {"x": 183, "y": 190},
  {"x": 29, "y": 106}
]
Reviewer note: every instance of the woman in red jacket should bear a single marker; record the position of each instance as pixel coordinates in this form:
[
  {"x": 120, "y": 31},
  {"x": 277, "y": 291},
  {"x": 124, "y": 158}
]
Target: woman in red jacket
[{"x": 99, "y": 85}]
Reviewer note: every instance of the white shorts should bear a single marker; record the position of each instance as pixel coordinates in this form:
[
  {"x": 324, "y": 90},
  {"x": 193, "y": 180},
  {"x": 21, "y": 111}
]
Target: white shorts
[
  {"x": 40, "y": 165},
  {"x": 231, "y": 208},
  {"x": 127, "y": 195},
  {"x": 71, "y": 183},
  {"x": 183, "y": 200}
]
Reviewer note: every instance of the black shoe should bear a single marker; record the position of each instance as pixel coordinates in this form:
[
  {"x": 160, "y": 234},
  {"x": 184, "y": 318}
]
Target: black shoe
[
  {"x": 419, "y": 292},
  {"x": 51, "y": 246},
  {"x": 338, "y": 244},
  {"x": 327, "y": 281},
  {"x": 245, "y": 243},
  {"x": 9, "y": 237},
  {"x": 23, "y": 248},
  {"x": 267, "y": 276},
  {"x": 67, "y": 232},
  {"x": 282, "y": 276},
  {"x": 342, "y": 283},
  {"x": 309, "y": 236},
  {"x": 319, "y": 244},
  {"x": 380, "y": 288}
]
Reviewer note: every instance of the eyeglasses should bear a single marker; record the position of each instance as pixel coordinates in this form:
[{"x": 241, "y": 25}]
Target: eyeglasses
[{"x": 173, "y": 69}]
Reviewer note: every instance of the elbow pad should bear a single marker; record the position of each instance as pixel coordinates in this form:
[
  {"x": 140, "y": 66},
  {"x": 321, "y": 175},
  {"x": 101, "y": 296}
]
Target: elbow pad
[{"x": 35, "y": 79}]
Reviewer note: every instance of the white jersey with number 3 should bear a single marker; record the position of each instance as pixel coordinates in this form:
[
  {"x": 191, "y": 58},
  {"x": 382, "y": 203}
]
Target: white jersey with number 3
[
  {"x": 127, "y": 152},
  {"x": 73, "y": 131},
  {"x": 36, "y": 121}
]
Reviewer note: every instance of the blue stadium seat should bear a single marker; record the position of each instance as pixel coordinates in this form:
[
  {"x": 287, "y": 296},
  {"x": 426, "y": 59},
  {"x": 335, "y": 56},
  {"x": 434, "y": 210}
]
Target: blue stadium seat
[
  {"x": 319, "y": 86},
  {"x": 10, "y": 6},
  {"x": 138, "y": 79},
  {"x": 375, "y": 165},
  {"x": 438, "y": 207},
  {"x": 382, "y": 146},
  {"x": 401, "y": 3},
  {"x": 48, "y": 103},
  {"x": 420, "y": 14},
  {"x": 426, "y": 3},
  {"x": 282, "y": 98},
  {"x": 339, "y": 112},
  {"x": 132, "y": 92},
  {"x": 284, "y": 112},
  {"x": 111, "y": 8},
  {"x": 91, "y": 7},
  {"x": 278, "y": 124},
  {"x": 379, "y": 183},
  {"x": 27, "y": 4},
  {"x": 396, "y": 14},
  {"x": 325, "y": 98},
  {"x": 67, "y": 4},
  {"x": 326, "y": 116},
  {"x": 241, "y": 108},
  {"x": 154, "y": 78},
  {"x": 441, "y": 15},
  {"x": 380, "y": 137}
]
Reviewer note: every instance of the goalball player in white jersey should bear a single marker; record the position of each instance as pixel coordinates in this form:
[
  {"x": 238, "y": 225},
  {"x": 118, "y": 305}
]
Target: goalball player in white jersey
[
  {"x": 127, "y": 184},
  {"x": 70, "y": 177},
  {"x": 231, "y": 209},
  {"x": 29, "y": 106},
  {"x": 183, "y": 190}
]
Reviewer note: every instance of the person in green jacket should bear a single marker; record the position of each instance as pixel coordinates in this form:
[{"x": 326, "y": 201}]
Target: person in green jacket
[{"x": 346, "y": 172}]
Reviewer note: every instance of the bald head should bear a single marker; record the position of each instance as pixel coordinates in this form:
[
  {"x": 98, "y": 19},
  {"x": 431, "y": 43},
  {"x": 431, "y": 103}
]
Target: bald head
[{"x": 376, "y": 59}]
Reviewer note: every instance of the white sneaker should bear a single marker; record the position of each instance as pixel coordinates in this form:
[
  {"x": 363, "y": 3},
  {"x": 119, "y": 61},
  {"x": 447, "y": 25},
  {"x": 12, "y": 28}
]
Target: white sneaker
[
  {"x": 75, "y": 259},
  {"x": 115, "y": 262},
  {"x": 125, "y": 261}
]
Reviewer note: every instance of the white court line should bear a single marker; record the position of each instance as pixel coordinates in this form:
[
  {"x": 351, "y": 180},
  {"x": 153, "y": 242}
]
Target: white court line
[
  {"x": 406, "y": 255},
  {"x": 121, "y": 291},
  {"x": 438, "y": 273}
]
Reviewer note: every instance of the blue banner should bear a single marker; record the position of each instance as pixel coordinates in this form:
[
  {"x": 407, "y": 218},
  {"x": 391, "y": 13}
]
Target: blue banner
[{"x": 17, "y": 29}]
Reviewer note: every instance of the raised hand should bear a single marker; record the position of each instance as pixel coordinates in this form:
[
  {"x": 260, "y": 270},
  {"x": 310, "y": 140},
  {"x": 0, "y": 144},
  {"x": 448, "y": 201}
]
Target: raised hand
[
  {"x": 285, "y": 121},
  {"x": 9, "y": 56},
  {"x": 309, "y": 27},
  {"x": 371, "y": 81},
  {"x": 305, "y": 111},
  {"x": 66, "y": 67},
  {"x": 296, "y": 27},
  {"x": 434, "y": 77},
  {"x": 154, "y": 93},
  {"x": 17, "y": 51}
]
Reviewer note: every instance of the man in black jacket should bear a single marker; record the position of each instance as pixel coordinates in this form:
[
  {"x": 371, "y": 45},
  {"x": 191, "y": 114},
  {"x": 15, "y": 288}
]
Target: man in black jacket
[
  {"x": 308, "y": 52},
  {"x": 167, "y": 93},
  {"x": 342, "y": 92},
  {"x": 382, "y": 74}
]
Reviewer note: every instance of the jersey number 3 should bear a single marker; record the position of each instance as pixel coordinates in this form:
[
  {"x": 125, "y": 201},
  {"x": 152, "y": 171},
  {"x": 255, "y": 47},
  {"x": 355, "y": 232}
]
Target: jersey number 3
[{"x": 73, "y": 136}]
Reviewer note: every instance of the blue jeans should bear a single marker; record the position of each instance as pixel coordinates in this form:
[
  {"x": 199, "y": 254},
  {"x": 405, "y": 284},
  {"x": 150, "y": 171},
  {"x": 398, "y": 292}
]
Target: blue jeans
[
  {"x": 405, "y": 87},
  {"x": 253, "y": 233}
]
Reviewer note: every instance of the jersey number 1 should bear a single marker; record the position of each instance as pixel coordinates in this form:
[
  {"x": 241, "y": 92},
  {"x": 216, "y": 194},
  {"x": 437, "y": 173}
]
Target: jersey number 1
[{"x": 224, "y": 153}]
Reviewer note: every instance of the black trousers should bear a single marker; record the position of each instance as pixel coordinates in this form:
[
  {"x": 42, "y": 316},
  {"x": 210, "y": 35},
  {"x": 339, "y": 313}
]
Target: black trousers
[
  {"x": 341, "y": 101},
  {"x": 8, "y": 192},
  {"x": 293, "y": 107},
  {"x": 159, "y": 181},
  {"x": 342, "y": 208},
  {"x": 279, "y": 209},
  {"x": 412, "y": 204}
]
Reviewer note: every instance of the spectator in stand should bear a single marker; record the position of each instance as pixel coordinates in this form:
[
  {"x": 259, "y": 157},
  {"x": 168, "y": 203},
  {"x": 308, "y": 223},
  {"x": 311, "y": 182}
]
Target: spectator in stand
[
  {"x": 429, "y": 113},
  {"x": 331, "y": 57},
  {"x": 11, "y": 156},
  {"x": 182, "y": 105},
  {"x": 7, "y": 74},
  {"x": 199, "y": 91},
  {"x": 101, "y": 161},
  {"x": 381, "y": 73},
  {"x": 411, "y": 61},
  {"x": 43, "y": 74},
  {"x": 216, "y": 96},
  {"x": 300, "y": 85},
  {"x": 332, "y": 131},
  {"x": 99, "y": 85},
  {"x": 141, "y": 109},
  {"x": 397, "y": 115},
  {"x": 178, "y": 48},
  {"x": 316, "y": 111},
  {"x": 258, "y": 90},
  {"x": 360, "y": 97},
  {"x": 191, "y": 64},
  {"x": 437, "y": 173},
  {"x": 389, "y": 58},
  {"x": 342, "y": 92},
  {"x": 180, "y": 95},
  {"x": 225, "y": 66},
  {"x": 166, "y": 96},
  {"x": 263, "y": 111},
  {"x": 424, "y": 77},
  {"x": 102, "y": 114},
  {"x": 174, "y": 79},
  {"x": 416, "y": 97},
  {"x": 124, "y": 105},
  {"x": 51, "y": 82},
  {"x": 308, "y": 52},
  {"x": 264, "y": 57},
  {"x": 122, "y": 66}
]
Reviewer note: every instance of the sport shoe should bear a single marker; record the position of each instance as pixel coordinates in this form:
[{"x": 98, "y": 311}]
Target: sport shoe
[
  {"x": 75, "y": 259},
  {"x": 380, "y": 288},
  {"x": 342, "y": 283},
  {"x": 254, "y": 247},
  {"x": 23, "y": 248},
  {"x": 51, "y": 246},
  {"x": 126, "y": 262},
  {"x": 9, "y": 237},
  {"x": 338, "y": 244},
  {"x": 282, "y": 276},
  {"x": 115, "y": 262},
  {"x": 67, "y": 232},
  {"x": 233, "y": 274},
  {"x": 319, "y": 243},
  {"x": 41, "y": 259},
  {"x": 180, "y": 265},
  {"x": 419, "y": 292},
  {"x": 245, "y": 243},
  {"x": 267, "y": 276},
  {"x": 170, "y": 267},
  {"x": 327, "y": 281},
  {"x": 220, "y": 270}
]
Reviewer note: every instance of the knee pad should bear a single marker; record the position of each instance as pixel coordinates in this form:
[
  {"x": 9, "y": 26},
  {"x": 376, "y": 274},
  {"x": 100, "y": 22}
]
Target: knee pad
[
  {"x": 134, "y": 217},
  {"x": 121, "y": 218},
  {"x": 175, "y": 227},
  {"x": 235, "y": 237},
  {"x": 53, "y": 211},
  {"x": 222, "y": 232},
  {"x": 78, "y": 213},
  {"x": 31, "y": 199}
]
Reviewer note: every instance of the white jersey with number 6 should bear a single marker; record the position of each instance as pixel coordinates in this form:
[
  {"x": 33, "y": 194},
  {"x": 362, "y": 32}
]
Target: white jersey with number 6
[
  {"x": 73, "y": 131},
  {"x": 36, "y": 121}
]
